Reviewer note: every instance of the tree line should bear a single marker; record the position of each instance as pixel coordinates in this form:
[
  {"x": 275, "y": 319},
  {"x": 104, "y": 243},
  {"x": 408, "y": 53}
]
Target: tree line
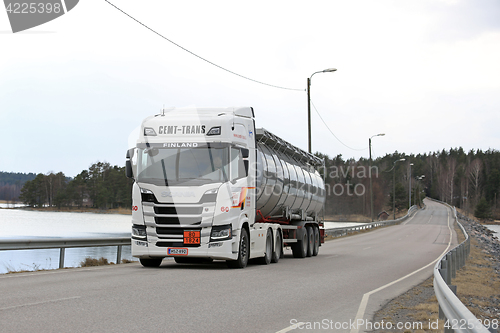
[
  {"x": 101, "y": 186},
  {"x": 11, "y": 184},
  {"x": 470, "y": 181}
]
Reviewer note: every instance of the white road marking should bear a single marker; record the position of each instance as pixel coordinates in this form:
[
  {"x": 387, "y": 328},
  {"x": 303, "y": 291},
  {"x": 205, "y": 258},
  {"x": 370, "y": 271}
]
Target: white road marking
[
  {"x": 38, "y": 303},
  {"x": 334, "y": 256},
  {"x": 290, "y": 328},
  {"x": 364, "y": 300}
]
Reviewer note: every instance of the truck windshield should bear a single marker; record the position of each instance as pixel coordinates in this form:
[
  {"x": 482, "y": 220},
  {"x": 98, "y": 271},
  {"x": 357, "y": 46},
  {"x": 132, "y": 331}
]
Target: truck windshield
[{"x": 183, "y": 166}]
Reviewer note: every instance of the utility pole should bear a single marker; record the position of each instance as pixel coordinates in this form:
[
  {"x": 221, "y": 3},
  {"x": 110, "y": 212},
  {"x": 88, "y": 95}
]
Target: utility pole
[
  {"x": 370, "y": 172},
  {"x": 309, "y": 143},
  {"x": 409, "y": 189}
]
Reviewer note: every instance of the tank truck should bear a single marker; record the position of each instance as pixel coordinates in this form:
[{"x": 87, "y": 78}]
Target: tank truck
[{"x": 208, "y": 185}]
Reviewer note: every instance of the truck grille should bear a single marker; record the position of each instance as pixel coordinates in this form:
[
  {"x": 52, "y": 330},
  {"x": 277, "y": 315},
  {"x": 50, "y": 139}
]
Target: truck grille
[
  {"x": 170, "y": 220},
  {"x": 176, "y": 210},
  {"x": 178, "y": 221},
  {"x": 176, "y": 233}
]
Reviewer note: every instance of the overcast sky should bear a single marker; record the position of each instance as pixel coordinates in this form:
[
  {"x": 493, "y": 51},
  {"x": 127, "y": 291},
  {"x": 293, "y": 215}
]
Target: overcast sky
[{"x": 425, "y": 73}]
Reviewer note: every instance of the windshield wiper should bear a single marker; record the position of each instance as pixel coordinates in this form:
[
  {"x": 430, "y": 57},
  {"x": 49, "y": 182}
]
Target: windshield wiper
[{"x": 164, "y": 172}]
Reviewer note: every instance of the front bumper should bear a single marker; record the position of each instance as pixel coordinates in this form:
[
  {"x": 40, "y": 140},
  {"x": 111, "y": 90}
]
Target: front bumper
[{"x": 218, "y": 250}]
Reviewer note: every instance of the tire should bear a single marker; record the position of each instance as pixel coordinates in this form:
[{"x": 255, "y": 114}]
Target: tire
[
  {"x": 243, "y": 252},
  {"x": 278, "y": 248},
  {"x": 310, "y": 241},
  {"x": 190, "y": 260},
  {"x": 151, "y": 262},
  {"x": 299, "y": 249},
  {"x": 266, "y": 259},
  {"x": 316, "y": 241}
]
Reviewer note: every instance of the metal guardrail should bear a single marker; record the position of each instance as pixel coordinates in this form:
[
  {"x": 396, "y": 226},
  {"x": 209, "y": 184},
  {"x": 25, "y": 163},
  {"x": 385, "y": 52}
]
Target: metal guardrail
[
  {"x": 64, "y": 243},
  {"x": 343, "y": 231},
  {"x": 459, "y": 317}
]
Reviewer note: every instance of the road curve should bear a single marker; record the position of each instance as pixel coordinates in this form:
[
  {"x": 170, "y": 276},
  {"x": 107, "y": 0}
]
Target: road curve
[{"x": 350, "y": 278}]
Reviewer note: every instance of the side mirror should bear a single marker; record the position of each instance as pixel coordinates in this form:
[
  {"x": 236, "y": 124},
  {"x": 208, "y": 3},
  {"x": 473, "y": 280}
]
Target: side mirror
[
  {"x": 128, "y": 169},
  {"x": 245, "y": 153},
  {"x": 128, "y": 164},
  {"x": 246, "y": 164}
]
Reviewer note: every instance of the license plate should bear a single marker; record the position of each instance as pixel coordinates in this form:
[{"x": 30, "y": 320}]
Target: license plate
[
  {"x": 177, "y": 251},
  {"x": 192, "y": 237}
]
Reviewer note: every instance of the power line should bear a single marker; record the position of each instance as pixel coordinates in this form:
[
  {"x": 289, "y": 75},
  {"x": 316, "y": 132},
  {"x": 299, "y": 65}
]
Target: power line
[
  {"x": 332, "y": 132},
  {"x": 194, "y": 54}
]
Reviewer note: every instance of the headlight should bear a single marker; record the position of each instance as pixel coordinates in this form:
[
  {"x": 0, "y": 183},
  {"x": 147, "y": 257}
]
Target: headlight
[
  {"x": 139, "y": 232},
  {"x": 147, "y": 195},
  {"x": 209, "y": 196},
  {"x": 146, "y": 191},
  {"x": 221, "y": 232}
]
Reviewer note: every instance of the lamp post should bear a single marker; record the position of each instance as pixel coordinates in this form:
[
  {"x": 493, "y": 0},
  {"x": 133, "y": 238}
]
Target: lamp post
[
  {"x": 409, "y": 189},
  {"x": 418, "y": 183},
  {"x": 394, "y": 187},
  {"x": 370, "y": 172},
  {"x": 309, "y": 105}
]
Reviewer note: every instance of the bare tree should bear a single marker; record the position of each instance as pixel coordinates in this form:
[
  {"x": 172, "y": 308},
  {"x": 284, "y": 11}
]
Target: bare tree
[
  {"x": 474, "y": 177},
  {"x": 452, "y": 167}
]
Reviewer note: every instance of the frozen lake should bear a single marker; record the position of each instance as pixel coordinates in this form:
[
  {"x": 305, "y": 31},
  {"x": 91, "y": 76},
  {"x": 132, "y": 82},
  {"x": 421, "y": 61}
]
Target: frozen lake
[
  {"x": 25, "y": 224},
  {"x": 495, "y": 228}
]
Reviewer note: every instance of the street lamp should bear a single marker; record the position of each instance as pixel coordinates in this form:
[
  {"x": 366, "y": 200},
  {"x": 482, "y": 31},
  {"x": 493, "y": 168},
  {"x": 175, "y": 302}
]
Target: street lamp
[
  {"x": 370, "y": 171},
  {"x": 409, "y": 189},
  {"x": 418, "y": 184},
  {"x": 309, "y": 105},
  {"x": 394, "y": 187}
]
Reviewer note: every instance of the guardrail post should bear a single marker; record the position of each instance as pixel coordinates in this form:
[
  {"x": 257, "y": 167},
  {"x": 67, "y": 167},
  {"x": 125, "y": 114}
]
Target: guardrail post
[
  {"x": 453, "y": 263},
  {"x": 464, "y": 251},
  {"x": 441, "y": 313},
  {"x": 462, "y": 256},
  {"x": 119, "y": 254},
  {"x": 61, "y": 257},
  {"x": 449, "y": 263},
  {"x": 459, "y": 257},
  {"x": 444, "y": 270}
]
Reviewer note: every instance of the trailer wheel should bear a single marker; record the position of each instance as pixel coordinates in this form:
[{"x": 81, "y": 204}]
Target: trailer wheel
[
  {"x": 299, "y": 249},
  {"x": 243, "y": 252},
  {"x": 316, "y": 241},
  {"x": 278, "y": 248},
  {"x": 266, "y": 259},
  {"x": 151, "y": 262},
  {"x": 310, "y": 241}
]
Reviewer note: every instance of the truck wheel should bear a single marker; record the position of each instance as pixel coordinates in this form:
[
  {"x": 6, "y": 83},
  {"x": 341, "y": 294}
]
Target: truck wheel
[
  {"x": 151, "y": 262},
  {"x": 278, "y": 248},
  {"x": 299, "y": 249},
  {"x": 266, "y": 259},
  {"x": 243, "y": 252},
  {"x": 310, "y": 241},
  {"x": 316, "y": 241}
]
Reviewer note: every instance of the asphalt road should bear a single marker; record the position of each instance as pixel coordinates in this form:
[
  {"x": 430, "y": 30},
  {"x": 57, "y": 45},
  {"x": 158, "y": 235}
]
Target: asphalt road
[{"x": 349, "y": 280}]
